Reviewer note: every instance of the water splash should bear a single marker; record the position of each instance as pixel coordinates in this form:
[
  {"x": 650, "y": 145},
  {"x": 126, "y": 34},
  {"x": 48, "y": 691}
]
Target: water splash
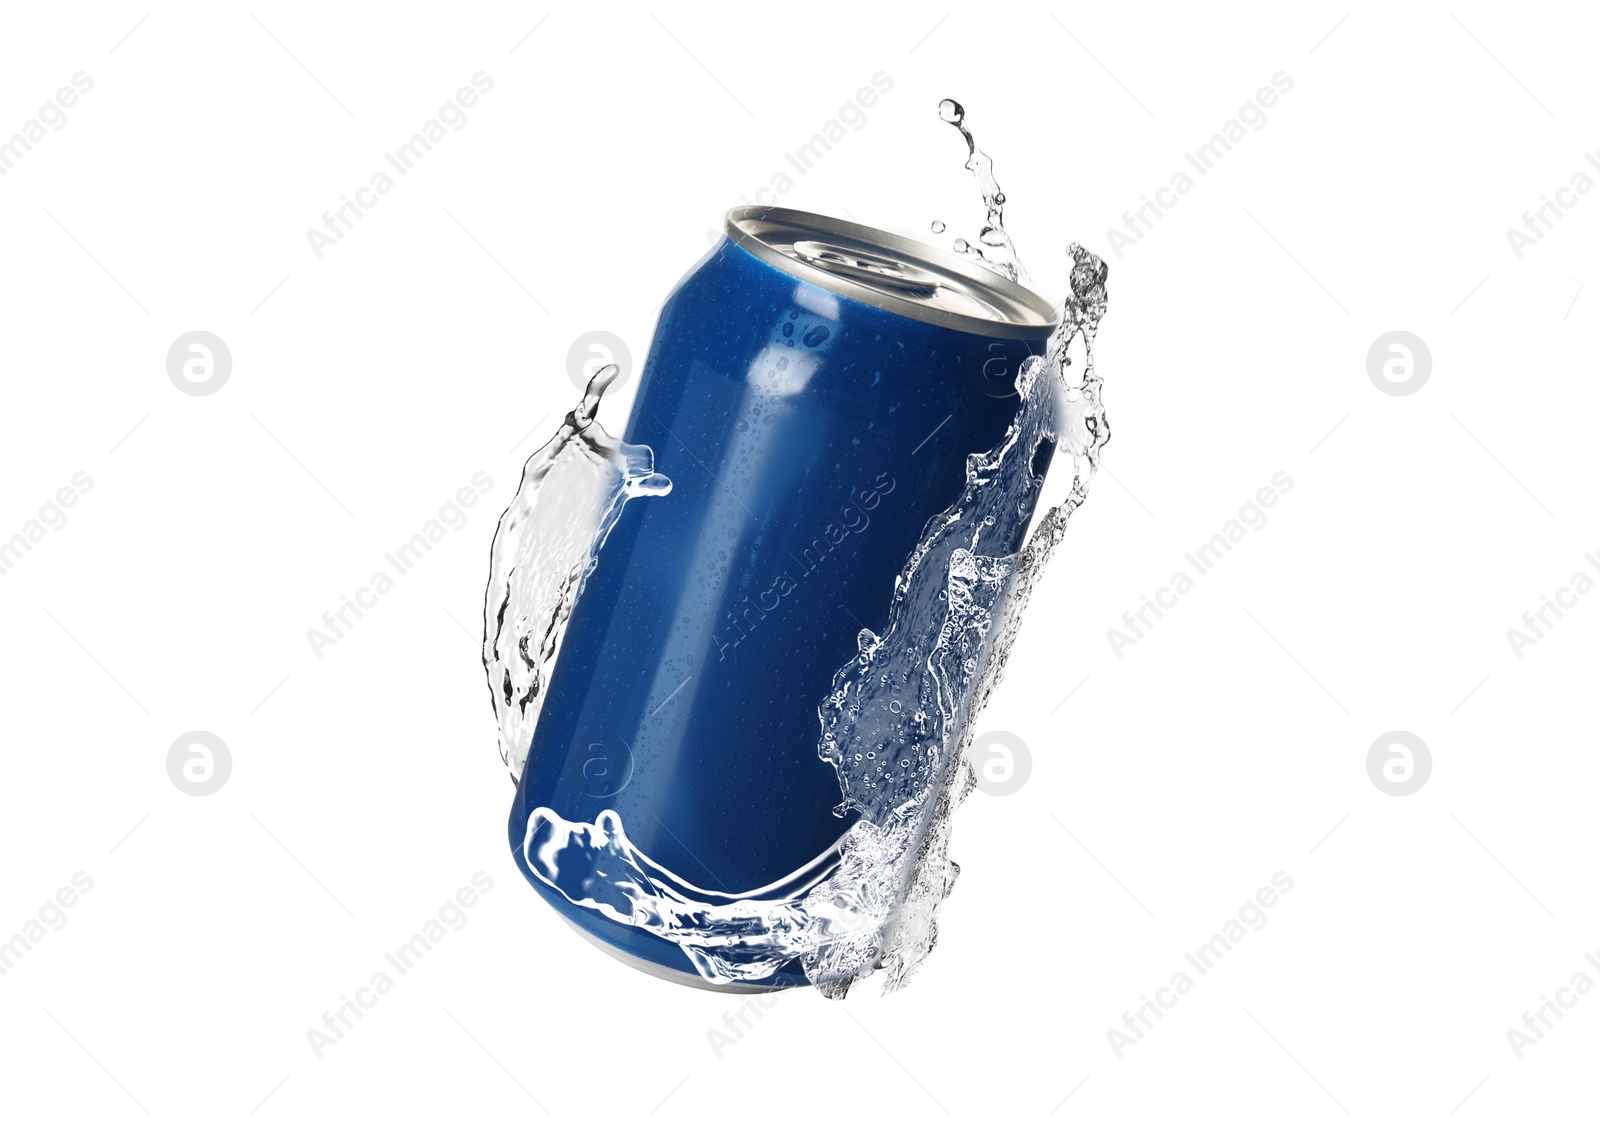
[
  {"x": 1081, "y": 432},
  {"x": 548, "y": 541},
  {"x": 900, "y": 715},
  {"x": 994, "y": 248}
]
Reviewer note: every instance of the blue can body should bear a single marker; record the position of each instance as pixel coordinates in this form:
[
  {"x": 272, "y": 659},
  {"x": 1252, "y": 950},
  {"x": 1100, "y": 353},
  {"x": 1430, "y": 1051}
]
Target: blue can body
[{"x": 809, "y": 437}]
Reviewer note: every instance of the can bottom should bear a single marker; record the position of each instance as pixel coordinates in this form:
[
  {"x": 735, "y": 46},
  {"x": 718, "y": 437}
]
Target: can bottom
[{"x": 670, "y": 974}]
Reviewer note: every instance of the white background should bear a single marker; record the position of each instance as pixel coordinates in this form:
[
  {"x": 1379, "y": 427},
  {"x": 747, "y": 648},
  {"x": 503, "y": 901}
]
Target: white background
[{"x": 370, "y": 384}]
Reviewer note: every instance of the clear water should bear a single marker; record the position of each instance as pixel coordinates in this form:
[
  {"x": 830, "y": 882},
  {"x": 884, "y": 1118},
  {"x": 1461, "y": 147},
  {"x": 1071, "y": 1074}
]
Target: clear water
[
  {"x": 897, "y": 721},
  {"x": 994, "y": 248},
  {"x": 572, "y": 491}
]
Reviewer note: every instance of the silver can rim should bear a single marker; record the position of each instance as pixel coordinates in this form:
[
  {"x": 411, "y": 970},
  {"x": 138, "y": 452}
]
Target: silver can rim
[{"x": 1018, "y": 312}]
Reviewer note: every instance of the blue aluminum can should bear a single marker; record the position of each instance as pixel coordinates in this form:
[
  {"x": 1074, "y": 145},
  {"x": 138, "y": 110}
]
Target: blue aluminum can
[{"x": 813, "y": 391}]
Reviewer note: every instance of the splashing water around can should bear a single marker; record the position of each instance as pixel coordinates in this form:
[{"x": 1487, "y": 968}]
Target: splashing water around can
[{"x": 645, "y": 790}]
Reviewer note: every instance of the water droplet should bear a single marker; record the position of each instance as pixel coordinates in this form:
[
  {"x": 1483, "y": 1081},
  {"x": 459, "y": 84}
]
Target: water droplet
[
  {"x": 815, "y": 336},
  {"x": 937, "y": 227}
]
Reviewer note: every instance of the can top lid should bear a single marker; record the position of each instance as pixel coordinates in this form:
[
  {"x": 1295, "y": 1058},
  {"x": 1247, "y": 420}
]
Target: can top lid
[{"x": 893, "y": 273}]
